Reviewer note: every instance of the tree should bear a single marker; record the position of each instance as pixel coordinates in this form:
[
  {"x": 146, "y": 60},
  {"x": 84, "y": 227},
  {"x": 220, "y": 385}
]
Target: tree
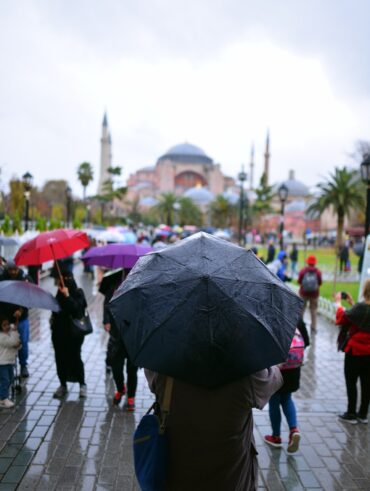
[
  {"x": 85, "y": 175},
  {"x": 165, "y": 207},
  {"x": 264, "y": 195},
  {"x": 221, "y": 212},
  {"x": 16, "y": 197},
  {"x": 341, "y": 192},
  {"x": 189, "y": 213},
  {"x": 111, "y": 190}
]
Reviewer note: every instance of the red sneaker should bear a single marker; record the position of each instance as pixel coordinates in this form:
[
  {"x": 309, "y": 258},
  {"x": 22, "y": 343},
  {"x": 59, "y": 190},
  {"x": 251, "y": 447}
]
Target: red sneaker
[
  {"x": 294, "y": 439},
  {"x": 130, "y": 404},
  {"x": 118, "y": 396},
  {"x": 274, "y": 441}
]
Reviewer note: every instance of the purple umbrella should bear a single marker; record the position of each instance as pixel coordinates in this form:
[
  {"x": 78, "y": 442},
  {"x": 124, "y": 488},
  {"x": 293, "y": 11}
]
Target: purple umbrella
[{"x": 115, "y": 255}]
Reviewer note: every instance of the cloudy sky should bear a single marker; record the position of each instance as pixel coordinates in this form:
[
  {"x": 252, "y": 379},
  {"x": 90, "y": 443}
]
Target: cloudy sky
[{"x": 215, "y": 73}]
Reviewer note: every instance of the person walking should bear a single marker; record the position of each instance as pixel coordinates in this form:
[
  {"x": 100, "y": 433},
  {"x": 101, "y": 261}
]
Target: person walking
[
  {"x": 13, "y": 272},
  {"x": 116, "y": 350},
  {"x": 9, "y": 345},
  {"x": 293, "y": 256},
  {"x": 291, "y": 372},
  {"x": 354, "y": 340},
  {"x": 310, "y": 280},
  {"x": 343, "y": 257},
  {"x": 67, "y": 345},
  {"x": 210, "y": 431},
  {"x": 271, "y": 251}
]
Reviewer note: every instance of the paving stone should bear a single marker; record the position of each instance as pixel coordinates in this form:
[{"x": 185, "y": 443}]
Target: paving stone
[{"x": 14, "y": 474}]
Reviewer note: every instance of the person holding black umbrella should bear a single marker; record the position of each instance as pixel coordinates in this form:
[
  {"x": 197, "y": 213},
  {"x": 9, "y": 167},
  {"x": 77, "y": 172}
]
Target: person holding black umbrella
[
  {"x": 210, "y": 316},
  {"x": 13, "y": 272}
]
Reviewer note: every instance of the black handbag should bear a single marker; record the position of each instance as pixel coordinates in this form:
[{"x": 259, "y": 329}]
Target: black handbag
[{"x": 83, "y": 326}]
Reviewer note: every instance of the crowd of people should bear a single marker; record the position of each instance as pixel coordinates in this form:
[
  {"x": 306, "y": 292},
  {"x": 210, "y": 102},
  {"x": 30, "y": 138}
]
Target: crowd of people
[{"x": 231, "y": 404}]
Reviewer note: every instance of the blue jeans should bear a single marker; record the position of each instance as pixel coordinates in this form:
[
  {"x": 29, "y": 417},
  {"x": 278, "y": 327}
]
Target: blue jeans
[
  {"x": 6, "y": 380},
  {"x": 287, "y": 404},
  {"x": 24, "y": 334}
]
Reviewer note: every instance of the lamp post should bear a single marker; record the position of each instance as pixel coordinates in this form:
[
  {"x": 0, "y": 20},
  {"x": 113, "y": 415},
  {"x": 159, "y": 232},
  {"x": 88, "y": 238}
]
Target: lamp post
[
  {"x": 27, "y": 184},
  {"x": 242, "y": 176},
  {"x": 176, "y": 209},
  {"x": 365, "y": 175},
  {"x": 68, "y": 205},
  {"x": 283, "y": 195}
]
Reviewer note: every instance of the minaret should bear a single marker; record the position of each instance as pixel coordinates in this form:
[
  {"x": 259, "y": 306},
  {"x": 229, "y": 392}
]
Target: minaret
[
  {"x": 105, "y": 155},
  {"x": 267, "y": 158},
  {"x": 251, "y": 166}
]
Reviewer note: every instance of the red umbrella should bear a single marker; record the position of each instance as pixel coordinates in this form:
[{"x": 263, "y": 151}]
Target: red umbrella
[{"x": 50, "y": 246}]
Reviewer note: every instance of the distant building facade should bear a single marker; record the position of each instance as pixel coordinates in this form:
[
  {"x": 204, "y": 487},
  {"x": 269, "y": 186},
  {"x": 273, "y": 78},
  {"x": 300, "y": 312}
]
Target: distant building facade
[{"x": 182, "y": 168}]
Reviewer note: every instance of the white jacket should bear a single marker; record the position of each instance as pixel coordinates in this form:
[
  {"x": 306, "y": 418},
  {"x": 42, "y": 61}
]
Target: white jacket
[{"x": 9, "y": 346}]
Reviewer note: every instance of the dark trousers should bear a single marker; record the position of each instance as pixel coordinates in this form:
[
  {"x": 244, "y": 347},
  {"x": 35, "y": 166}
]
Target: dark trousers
[
  {"x": 117, "y": 365},
  {"x": 6, "y": 380},
  {"x": 357, "y": 367}
]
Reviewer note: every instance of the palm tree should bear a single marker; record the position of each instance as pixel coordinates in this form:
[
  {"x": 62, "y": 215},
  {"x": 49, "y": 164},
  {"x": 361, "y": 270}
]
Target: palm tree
[
  {"x": 189, "y": 213},
  {"x": 341, "y": 192},
  {"x": 221, "y": 211},
  {"x": 85, "y": 175},
  {"x": 165, "y": 207}
]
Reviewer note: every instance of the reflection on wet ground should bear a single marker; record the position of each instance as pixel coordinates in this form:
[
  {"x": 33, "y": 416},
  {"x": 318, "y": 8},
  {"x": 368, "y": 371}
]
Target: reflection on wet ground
[{"x": 86, "y": 445}]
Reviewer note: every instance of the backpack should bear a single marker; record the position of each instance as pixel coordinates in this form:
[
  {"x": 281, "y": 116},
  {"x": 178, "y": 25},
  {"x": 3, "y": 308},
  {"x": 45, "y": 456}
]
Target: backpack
[
  {"x": 310, "y": 282},
  {"x": 296, "y": 353}
]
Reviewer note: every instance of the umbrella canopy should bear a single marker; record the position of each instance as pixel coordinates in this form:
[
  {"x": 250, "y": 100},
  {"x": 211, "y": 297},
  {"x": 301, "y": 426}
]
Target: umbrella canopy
[
  {"x": 205, "y": 311},
  {"x": 115, "y": 255},
  {"x": 8, "y": 241},
  {"x": 27, "y": 295},
  {"x": 49, "y": 246}
]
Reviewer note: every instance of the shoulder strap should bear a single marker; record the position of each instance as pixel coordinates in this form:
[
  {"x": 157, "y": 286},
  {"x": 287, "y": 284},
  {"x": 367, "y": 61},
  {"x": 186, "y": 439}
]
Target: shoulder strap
[{"x": 165, "y": 408}]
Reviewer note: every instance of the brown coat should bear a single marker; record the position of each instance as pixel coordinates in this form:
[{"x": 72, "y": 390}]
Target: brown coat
[{"x": 210, "y": 432}]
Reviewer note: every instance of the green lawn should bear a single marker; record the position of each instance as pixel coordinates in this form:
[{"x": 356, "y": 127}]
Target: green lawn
[{"x": 326, "y": 261}]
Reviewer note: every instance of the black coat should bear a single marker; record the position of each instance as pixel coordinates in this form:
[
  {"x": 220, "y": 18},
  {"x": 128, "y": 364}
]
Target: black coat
[
  {"x": 67, "y": 346},
  {"x": 292, "y": 377}
]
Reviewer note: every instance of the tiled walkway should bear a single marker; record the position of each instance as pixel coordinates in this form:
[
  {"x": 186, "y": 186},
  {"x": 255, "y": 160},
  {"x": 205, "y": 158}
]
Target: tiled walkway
[{"x": 86, "y": 445}]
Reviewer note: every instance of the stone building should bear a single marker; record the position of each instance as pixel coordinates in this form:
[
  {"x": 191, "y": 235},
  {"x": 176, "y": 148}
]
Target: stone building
[{"x": 182, "y": 168}]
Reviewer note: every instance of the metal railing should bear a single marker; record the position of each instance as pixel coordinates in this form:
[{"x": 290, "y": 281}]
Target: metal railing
[{"x": 326, "y": 307}]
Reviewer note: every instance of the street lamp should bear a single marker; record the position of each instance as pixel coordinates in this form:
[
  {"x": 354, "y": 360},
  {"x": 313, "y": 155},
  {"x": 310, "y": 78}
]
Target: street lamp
[
  {"x": 68, "y": 205},
  {"x": 27, "y": 185},
  {"x": 176, "y": 209},
  {"x": 365, "y": 175},
  {"x": 283, "y": 195},
  {"x": 242, "y": 176}
]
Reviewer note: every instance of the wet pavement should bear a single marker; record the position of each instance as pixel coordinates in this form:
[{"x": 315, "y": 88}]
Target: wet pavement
[{"x": 78, "y": 444}]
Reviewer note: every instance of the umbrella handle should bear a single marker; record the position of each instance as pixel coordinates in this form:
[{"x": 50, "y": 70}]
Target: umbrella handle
[{"x": 57, "y": 266}]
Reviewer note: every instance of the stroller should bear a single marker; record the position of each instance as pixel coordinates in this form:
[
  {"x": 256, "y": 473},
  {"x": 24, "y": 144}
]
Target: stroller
[{"x": 16, "y": 387}]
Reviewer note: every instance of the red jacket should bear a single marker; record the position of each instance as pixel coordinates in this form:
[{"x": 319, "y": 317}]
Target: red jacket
[
  {"x": 359, "y": 340},
  {"x": 314, "y": 294}
]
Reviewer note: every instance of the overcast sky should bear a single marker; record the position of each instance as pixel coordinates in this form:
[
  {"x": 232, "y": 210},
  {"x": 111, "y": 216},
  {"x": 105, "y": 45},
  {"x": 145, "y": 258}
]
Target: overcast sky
[{"x": 215, "y": 73}]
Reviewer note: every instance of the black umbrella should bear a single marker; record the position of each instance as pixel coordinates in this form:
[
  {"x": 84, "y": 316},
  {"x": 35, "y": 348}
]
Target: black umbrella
[
  {"x": 205, "y": 311},
  {"x": 27, "y": 295}
]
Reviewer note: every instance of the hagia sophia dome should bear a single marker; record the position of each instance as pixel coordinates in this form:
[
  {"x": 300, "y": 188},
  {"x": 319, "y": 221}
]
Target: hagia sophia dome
[
  {"x": 296, "y": 189},
  {"x": 200, "y": 196},
  {"x": 186, "y": 152}
]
